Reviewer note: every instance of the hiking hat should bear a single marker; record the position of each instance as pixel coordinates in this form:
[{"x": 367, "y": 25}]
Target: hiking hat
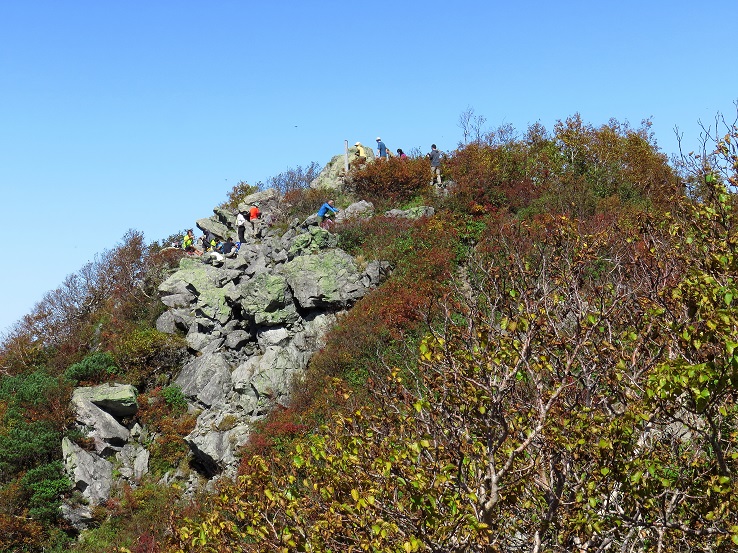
[
  {"x": 379, "y": 139},
  {"x": 357, "y": 143}
]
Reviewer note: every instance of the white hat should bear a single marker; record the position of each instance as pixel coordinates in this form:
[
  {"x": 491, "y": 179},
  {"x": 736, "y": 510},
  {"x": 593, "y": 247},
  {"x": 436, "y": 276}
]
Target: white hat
[
  {"x": 357, "y": 143},
  {"x": 378, "y": 139}
]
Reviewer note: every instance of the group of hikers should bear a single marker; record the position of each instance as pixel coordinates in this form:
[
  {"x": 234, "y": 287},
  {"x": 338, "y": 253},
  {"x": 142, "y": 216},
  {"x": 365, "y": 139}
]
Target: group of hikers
[
  {"x": 434, "y": 156},
  {"x": 210, "y": 242},
  {"x": 326, "y": 213}
]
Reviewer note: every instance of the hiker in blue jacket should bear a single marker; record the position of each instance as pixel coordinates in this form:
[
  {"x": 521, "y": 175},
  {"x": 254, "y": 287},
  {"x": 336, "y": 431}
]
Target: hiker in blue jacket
[{"x": 326, "y": 211}]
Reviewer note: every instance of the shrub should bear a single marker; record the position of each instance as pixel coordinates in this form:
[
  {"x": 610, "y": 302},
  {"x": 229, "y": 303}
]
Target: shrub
[
  {"x": 392, "y": 182},
  {"x": 237, "y": 195},
  {"x": 295, "y": 179},
  {"x": 174, "y": 397},
  {"x": 44, "y": 485},
  {"x": 145, "y": 354},
  {"x": 95, "y": 367}
]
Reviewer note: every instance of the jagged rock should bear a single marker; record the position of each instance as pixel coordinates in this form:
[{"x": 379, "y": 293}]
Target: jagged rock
[
  {"x": 211, "y": 224},
  {"x": 107, "y": 433},
  {"x": 272, "y": 337},
  {"x": 375, "y": 273},
  {"x": 267, "y": 200},
  {"x": 333, "y": 174},
  {"x": 268, "y": 376},
  {"x": 183, "y": 318},
  {"x": 329, "y": 278},
  {"x": 312, "y": 241},
  {"x": 90, "y": 474},
  {"x": 267, "y": 299},
  {"x": 236, "y": 339},
  {"x": 362, "y": 209},
  {"x": 133, "y": 462},
  {"x": 79, "y": 516},
  {"x": 199, "y": 341},
  {"x": 117, "y": 399},
  {"x": 206, "y": 379},
  {"x": 166, "y": 323},
  {"x": 412, "y": 213},
  {"x": 218, "y": 434}
]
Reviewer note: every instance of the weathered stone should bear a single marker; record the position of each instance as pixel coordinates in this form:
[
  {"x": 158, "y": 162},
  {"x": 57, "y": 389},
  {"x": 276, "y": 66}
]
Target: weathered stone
[
  {"x": 273, "y": 337},
  {"x": 312, "y": 241},
  {"x": 267, "y": 299},
  {"x": 90, "y": 474},
  {"x": 199, "y": 341},
  {"x": 357, "y": 210},
  {"x": 375, "y": 273},
  {"x": 218, "y": 434},
  {"x": 412, "y": 213},
  {"x": 206, "y": 379},
  {"x": 329, "y": 278},
  {"x": 211, "y": 224},
  {"x": 107, "y": 433},
  {"x": 117, "y": 399},
  {"x": 134, "y": 462},
  {"x": 166, "y": 323},
  {"x": 237, "y": 339}
]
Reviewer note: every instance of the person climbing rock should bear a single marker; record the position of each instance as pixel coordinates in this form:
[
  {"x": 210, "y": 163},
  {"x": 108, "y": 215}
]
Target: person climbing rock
[
  {"x": 254, "y": 215},
  {"x": 326, "y": 211}
]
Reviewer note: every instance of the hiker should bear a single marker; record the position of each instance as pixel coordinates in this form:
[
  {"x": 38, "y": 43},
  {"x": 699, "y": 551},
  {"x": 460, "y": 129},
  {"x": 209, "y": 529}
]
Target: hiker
[
  {"x": 435, "y": 160},
  {"x": 401, "y": 154},
  {"x": 188, "y": 242},
  {"x": 381, "y": 149},
  {"x": 254, "y": 215},
  {"x": 229, "y": 249},
  {"x": 210, "y": 241},
  {"x": 326, "y": 211},
  {"x": 359, "y": 155},
  {"x": 241, "y": 226}
]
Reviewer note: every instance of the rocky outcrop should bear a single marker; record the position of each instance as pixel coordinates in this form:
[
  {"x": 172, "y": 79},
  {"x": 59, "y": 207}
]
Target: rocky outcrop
[
  {"x": 103, "y": 417},
  {"x": 333, "y": 174},
  {"x": 252, "y": 325}
]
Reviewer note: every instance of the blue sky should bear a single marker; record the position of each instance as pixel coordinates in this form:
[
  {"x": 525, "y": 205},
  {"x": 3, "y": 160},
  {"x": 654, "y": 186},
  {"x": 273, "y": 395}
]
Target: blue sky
[{"x": 120, "y": 115}]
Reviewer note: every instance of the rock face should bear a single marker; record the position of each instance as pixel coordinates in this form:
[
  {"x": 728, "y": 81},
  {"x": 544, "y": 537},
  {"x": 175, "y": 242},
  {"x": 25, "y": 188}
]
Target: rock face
[
  {"x": 253, "y": 323},
  {"x": 102, "y": 415}
]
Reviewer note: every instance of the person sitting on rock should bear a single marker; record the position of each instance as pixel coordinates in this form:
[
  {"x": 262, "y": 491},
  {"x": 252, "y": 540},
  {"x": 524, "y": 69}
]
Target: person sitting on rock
[
  {"x": 210, "y": 242},
  {"x": 326, "y": 211},
  {"x": 188, "y": 243},
  {"x": 229, "y": 248}
]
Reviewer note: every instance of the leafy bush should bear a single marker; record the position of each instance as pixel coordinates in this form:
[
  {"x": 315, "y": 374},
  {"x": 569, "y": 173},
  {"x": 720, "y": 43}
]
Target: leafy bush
[
  {"x": 392, "y": 182},
  {"x": 145, "y": 355},
  {"x": 95, "y": 367},
  {"x": 174, "y": 397},
  {"x": 237, "y": 195},
  {"x": 44, "y": 486}
]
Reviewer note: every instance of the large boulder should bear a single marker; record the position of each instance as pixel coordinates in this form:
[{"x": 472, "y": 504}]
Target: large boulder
[
  {"x": 107, "y": 433},
  {"x": 311, "y": 241},
  {"x": 333, "y": 174},
  {"x": 217, "y": 435},
  {"x": 267, "y": 299},
  {"x": 206, "y": 379},
  {"x": 90, "y": 474},
  {"x": 329, "y": 278},
  {"x": 357, "y": 210},
  {"x": 117, "y": 399}
]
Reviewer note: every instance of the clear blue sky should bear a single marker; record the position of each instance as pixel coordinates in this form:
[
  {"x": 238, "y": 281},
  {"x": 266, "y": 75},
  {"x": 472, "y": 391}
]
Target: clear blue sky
[{"x": 119, "y": 115}]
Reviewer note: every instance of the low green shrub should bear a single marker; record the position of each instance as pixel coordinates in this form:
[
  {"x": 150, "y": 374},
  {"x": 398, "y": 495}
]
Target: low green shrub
[{"x": 96, "y": 367}]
